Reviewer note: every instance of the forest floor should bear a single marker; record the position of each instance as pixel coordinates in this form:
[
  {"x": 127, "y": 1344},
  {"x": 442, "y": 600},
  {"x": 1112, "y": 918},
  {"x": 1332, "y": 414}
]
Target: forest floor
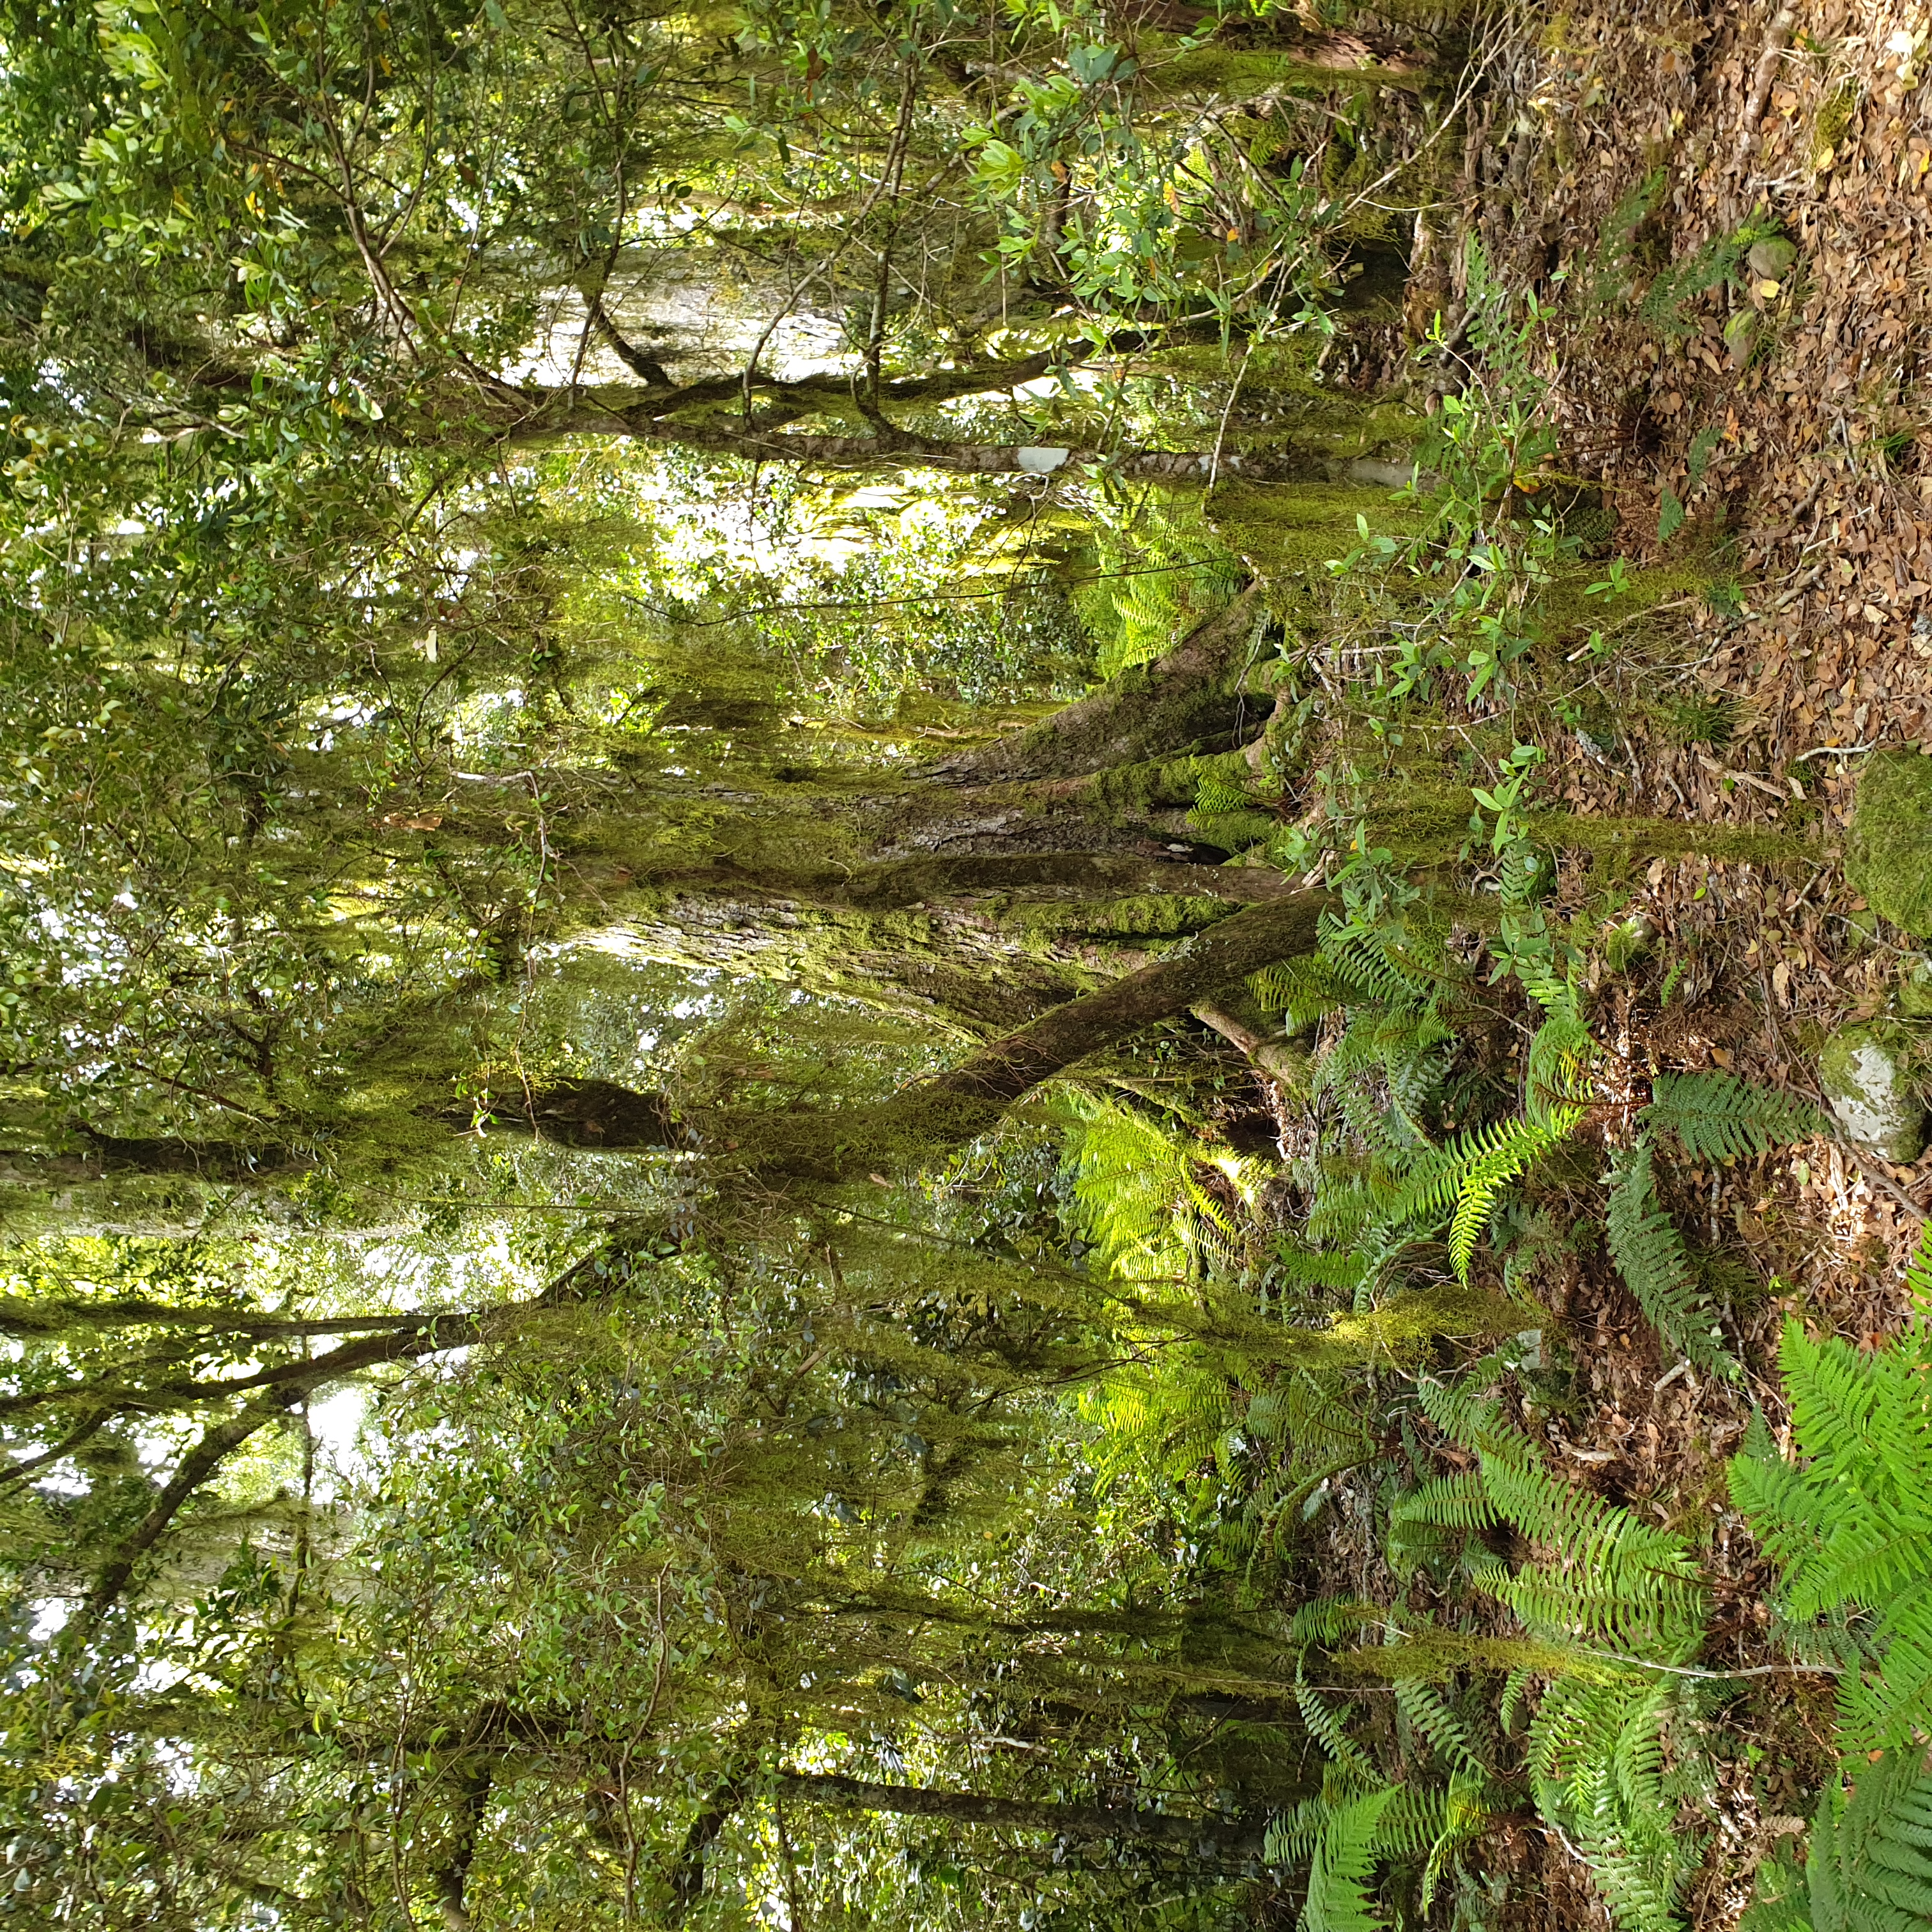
[{"x": 1616, "y": 144}]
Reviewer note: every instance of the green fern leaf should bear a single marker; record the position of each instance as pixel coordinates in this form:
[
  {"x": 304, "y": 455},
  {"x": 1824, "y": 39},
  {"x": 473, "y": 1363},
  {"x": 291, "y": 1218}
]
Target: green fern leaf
[
  {"x": 1344, "y": 1855},
  {"x": 1852, "y": 1530},
  {"x": 1868, "y": 1869},
  {"x": 1650, "y": 1256},
  {"x": 1329, "y": 1729},
  {"x": 1466, "y": 1177},
  {"x": 1716, "y": 1116},
  {"x": 1428, "y": 1713}
]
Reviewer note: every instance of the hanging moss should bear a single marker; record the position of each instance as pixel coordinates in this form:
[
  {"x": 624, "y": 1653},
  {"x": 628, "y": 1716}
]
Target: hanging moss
[{"x": 1890, "y": 860}]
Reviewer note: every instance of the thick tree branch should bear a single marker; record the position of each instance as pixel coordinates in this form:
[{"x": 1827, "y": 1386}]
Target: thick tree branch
[
  {"x": 200, "y": 1463},
  {"x": 956, "y": 1105},
  {"x": 686, "y": 1876},
  {"x": 1215, "y": 1837},
  {"x": 1239, "y": 945},
  {"x": 451, "y": 1877},
  {"x": 1148, "y": 711}
]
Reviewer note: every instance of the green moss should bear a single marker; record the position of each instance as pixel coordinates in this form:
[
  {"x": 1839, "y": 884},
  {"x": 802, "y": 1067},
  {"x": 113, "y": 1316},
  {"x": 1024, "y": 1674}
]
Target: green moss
[
  {"x": 1890, "y": 858},
  {"x": 1612, "y": 839},
  {"x": 1421, "y": 822},
  {"x": 1128, "y": 791},
  {"x": 1834, "y": 119},
  {"x": 1233, "y": 831},
  {"x": 1145, "y": 916},
  {"x": 1287, "y": 530},
  {"x": 1240, "y": 73},
  {"x": 1865, "y": 1072}
]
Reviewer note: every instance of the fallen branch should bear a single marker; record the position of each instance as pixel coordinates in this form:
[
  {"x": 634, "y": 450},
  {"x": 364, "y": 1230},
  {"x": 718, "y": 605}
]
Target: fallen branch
[{"x": 1784, "y": 24}]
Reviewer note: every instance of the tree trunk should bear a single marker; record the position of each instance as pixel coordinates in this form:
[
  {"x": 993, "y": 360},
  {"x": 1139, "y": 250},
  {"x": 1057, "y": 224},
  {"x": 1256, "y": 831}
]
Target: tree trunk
[
  {"x": 953, "y": 1107},
  {"x": 1224, "y": 1838}
]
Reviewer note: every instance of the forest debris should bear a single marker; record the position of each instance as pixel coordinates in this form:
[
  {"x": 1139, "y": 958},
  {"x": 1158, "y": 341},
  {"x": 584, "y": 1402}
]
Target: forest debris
[{"x": 1777, "y": 38}]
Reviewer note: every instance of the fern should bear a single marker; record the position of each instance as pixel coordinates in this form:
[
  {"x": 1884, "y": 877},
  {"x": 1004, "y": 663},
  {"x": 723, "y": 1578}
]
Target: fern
[
  {"x": 1344, "y": 1855},
  {"x": 1650, "y": 1255},
  {"x": 1466, "y": 1177},
  {"x": 1329, "y": 1729},
  {"x": 1383, "y": 962},
  {"x": 1214, "y": 796},
  {"x": 1853, "y": 1528},
  {"x": 1301, "y": 990},
  {"x": 1605, "y": 1593},
  {"x": 1717, "y": 1116},
  {"x": 1596, "y": 1766},
  {"x": 1561, "y": 1052},
  {"x": 1310, "y": 1267},
  {"x": 1600, "y": 1575},
  {"x": 1870, "y": 1867},
  {"x": 1428, "y": 1713}
]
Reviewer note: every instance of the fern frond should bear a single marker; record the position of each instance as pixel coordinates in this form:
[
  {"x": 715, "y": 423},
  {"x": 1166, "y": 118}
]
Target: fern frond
[
  {"x": 1868, "y": 1869},
  {"x": 1605, "y": 1576},
  {"x": 1853, "y": 1530},
  {"x": 1472, "y": 1170},
  {"x": 1431, "y": 1520},
  {"x": 1413, "y": 1823},
  {"x": 1650, "y": 1256},
  {"x": 1329, "y": 1729},
  {"x": 1326, "y": 1620},
  {"x": 1465, "y": 1811},
  {"x": 1292, "y": 1836},
  {"x": 1383, "y": 962},
  {"x": 1318, "y": 1268},
  {"x": 1596, "y": 1762},
  {"x": 1301, "y": 990},
  {"x": 1716, "y": 1116},
  {"x": 1471, "y": 1419},
  {"x": 1428, "y": 1713},
  {"x": 1213, "y": 796},
  {"x": 1344, "y": 1855},
  {"x": 1918, "y": 1277},
  {"x": 1557, "y": 1069}
]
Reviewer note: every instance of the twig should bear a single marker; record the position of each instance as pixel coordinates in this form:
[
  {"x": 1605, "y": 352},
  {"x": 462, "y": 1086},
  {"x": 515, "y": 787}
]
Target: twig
[
  {"x": 1879, "y": 1177},
  {"x": 1784, "y": 24}
]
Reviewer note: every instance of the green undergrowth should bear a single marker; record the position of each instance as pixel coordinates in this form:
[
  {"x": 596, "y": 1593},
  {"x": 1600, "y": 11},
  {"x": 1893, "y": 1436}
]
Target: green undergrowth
[
  {"x": 1461, "y": 1137},
  {"x": 1520, "y": 1634}
]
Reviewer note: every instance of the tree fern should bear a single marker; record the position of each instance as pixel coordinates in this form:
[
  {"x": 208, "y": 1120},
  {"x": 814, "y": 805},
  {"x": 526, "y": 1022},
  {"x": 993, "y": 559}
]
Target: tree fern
[
  {"x": 1650, "y": 1256},
  {"x": 1716, "y": 1116},
  {"x": 1851, "y": 1527}
]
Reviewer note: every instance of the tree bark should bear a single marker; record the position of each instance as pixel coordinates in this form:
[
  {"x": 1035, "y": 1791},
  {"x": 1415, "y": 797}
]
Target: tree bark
[
  {"x": 956, "y": 1105},
  {"x": 1153, "y": 710},
  {"x": 1224, "y": 1838}
]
